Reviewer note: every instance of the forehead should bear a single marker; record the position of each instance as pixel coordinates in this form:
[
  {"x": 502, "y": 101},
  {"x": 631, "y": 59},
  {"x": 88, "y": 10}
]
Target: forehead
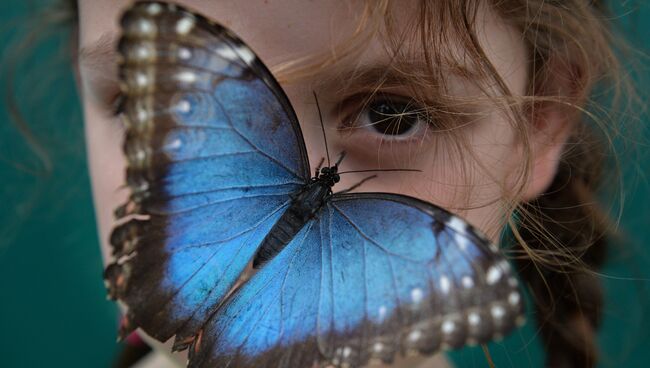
[
  {"x": 280, "y": 31},
  {"x": 275, "y": 30}
]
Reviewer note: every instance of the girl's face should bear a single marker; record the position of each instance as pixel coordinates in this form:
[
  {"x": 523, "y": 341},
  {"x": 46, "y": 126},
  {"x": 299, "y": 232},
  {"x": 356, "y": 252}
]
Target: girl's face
[{"x": 283, "y": 31}]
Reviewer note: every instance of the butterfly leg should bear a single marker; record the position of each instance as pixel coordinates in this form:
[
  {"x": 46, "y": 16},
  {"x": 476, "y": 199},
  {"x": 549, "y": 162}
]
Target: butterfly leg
[
  {"x": 341, "y": 157},
  {"x": 355, "y": 186}
]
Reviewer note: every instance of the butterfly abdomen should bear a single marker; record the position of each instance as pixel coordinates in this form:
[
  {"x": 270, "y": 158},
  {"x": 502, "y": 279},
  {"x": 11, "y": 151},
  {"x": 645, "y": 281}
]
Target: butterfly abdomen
[{"x": 303, "y": 207}]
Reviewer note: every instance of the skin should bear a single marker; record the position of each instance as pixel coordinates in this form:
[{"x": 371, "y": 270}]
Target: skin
[{"x": 280, "y": 32}]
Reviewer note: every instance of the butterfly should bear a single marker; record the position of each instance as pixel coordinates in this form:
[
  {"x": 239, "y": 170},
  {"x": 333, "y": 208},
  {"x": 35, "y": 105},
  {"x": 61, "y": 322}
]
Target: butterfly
[{"x": 219, "y": 179}]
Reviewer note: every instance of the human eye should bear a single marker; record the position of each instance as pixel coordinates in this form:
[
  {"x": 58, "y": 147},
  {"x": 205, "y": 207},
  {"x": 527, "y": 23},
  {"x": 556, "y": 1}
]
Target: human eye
[
  {"x": 104, "y": 92},
  {"x": 116, "y": 104},
  {"x": 387, "y": 118}
]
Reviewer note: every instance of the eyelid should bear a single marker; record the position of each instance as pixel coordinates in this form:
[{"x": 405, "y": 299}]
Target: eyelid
[{"x": 353, "y": 107}]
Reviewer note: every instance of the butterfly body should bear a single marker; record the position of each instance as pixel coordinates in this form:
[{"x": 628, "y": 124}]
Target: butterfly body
[
  {"x": 304, "y": 206},
  {"x": 342, "y": 278}
]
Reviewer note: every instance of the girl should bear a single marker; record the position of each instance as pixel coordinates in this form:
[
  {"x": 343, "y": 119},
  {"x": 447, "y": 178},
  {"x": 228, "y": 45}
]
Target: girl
[{"x": 487, "y": 99}]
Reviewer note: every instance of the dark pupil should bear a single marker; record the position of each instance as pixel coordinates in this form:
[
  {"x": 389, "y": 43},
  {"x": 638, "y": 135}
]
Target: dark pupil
[{"x": 392, "y": 118}]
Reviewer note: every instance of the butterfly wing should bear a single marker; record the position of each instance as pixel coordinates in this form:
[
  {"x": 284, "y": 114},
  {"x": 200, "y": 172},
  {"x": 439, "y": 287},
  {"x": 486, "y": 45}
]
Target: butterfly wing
[
  {"x": 208, "y": 178},
  {"x": 374, "y": 275}
]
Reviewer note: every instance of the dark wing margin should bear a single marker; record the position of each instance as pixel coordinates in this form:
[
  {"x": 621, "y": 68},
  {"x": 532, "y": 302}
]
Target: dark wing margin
[
  {"x": 374, "y": 276},
  {"x": 207, "y": 178}
]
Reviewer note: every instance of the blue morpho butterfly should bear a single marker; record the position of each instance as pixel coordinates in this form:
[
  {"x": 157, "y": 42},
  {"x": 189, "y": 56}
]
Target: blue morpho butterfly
[{"x": 219, "y": 179}]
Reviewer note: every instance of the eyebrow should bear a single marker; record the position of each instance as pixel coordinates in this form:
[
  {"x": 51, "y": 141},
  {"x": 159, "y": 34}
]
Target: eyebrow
[
  {"x": 100, "y": 55},
  {"x": 383, "y": 76}
]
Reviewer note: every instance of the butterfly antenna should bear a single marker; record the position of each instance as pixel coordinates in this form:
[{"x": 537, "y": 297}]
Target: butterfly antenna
[
  {"x": 320, "y": 163},
  {"x": 379, "y": 170},
  {"x": 355, "y": 186},
  {"x": 320, "y": 116}
]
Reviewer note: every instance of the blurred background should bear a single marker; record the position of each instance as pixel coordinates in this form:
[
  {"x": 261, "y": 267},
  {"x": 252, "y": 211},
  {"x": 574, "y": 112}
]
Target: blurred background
[{"x": 53, "y": 310}]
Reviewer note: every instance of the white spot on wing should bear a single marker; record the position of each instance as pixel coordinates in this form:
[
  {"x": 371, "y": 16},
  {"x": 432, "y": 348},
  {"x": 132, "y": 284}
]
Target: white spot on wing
[
  {"x": 382, "y": 312},
  {"x": 457, "y": 224},
  {"x": 183, "y": 106},
  {"x": 227, "y": 53},
  {"x": 154, "y": 9},
  {"x": 448, "y": 327},
  {"x": 414, "y": 336},
  {"x": 140, "y": 155},
  {"x": 416, "y": 295},
  {"x": 185, "y": 25},
  {"x": 186, "y": 77},
  {"x": 473, "y": 319},
  {"x": 174, "y": 145},
  {"x": 142, "y": 115},
  {"x": 462, "y": 241},
  {"x": 377, "y": 347},
  {"x": 145, "y": 27},
  {"x": 141, "y": 80},
  {"x": 184, "y": 53},
  {"x": 514, "y": 298},
  {"x": 143, "y": 52},
  {"x": 445, "y": 285},
  {"x": 512, "y": 281},
  {"x": 505, "y": 265},
  {"x": 497, "y": 312},
  {"x": 493, "y": 275},
  {"x": 467, "y": 282},
  {"x": 347, "y": 351},
  {"x": 246, "y": 54}
]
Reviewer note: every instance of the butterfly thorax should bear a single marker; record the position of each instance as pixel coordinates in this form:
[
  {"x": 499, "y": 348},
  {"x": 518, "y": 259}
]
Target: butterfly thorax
[{"x": 303, "y": 207}]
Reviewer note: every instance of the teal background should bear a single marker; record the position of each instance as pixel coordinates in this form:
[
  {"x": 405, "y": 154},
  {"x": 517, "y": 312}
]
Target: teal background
[{"x": 53, "y": 310}]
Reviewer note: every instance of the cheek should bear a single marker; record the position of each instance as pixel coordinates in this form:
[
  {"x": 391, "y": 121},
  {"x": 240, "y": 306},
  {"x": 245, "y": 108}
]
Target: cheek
[
  {"x": 106, "y": 164},
  {"x": 469, "y": 180}
]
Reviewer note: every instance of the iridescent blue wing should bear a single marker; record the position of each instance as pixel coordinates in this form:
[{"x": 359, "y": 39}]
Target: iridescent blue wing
[
  {"x": 214, "y": 150},
  {"x": 374, "y": 275}
]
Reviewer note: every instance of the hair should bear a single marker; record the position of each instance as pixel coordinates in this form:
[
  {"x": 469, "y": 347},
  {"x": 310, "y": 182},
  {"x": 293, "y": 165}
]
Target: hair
[{"x": 560, "y": 238}]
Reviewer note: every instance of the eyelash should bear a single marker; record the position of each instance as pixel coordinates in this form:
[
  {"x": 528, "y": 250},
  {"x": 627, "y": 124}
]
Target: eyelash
[
  {"x": 359, "y": 107},
  {"x": 117, "y": 104}
]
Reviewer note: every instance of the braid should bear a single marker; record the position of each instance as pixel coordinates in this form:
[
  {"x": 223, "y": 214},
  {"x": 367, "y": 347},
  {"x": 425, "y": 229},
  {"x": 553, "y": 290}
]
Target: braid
[{"x": 568, "y": 296}]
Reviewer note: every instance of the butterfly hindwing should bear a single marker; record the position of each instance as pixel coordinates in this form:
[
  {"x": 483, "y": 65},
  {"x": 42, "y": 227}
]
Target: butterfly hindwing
[
  {"x": 270, "y": 321},
  {"x": 420, "y": 278},
  {"x": 374, "y": 275},
  {"x": 208, "y": 178}
]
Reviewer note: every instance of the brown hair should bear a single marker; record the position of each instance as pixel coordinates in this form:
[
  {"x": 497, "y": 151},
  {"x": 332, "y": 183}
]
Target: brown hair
[{"x": 561, "y": 236}]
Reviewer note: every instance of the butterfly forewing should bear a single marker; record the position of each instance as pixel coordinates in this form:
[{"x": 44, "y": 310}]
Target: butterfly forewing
[{"x": 207, "y": 178}]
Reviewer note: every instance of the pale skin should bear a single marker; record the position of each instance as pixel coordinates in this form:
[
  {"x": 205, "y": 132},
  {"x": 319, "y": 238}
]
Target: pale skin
[{"x": 279, "y": 32}]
